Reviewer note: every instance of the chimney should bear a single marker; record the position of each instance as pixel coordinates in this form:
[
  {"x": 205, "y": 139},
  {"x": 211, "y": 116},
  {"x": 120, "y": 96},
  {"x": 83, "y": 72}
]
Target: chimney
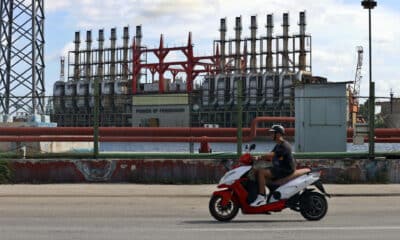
[
  {"x": 101, "y": 55},
  {"x": 88, "y": 68},
  {"x": 62, "y": 69},
  {"x": 253, "y": 53},
  {"x": 76, "y": 54},
  {"x": 125, "y": 64},
  {"x": 302, "y": 56},
  {"x": 223, "y": 31},
  {"x": 285, "y": 50},
  {"x": 113, "y": 39},
  {"x": 270, "y": 31},
  {"x": 139, "y": 36},
  {"x": 238, "y": 31}
]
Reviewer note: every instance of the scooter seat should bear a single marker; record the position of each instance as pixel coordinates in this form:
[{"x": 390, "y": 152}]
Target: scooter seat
[{"x": 296, "y": 174}]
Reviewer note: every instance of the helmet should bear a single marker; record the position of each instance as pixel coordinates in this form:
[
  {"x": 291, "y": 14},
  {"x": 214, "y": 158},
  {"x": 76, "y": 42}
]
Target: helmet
[{"x": 277, "y": 129}]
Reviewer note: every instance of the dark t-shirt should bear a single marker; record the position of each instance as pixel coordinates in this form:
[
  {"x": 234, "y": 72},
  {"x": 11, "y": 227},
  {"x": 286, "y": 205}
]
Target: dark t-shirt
[{"x": 283, "y": 159}]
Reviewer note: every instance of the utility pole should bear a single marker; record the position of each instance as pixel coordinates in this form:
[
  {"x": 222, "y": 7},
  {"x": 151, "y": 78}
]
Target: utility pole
[{"x": 371, "y": 4}]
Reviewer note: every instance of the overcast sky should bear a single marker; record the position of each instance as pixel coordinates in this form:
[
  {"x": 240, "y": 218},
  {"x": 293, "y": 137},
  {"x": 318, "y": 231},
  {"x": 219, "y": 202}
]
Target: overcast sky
[{"x": 337, "y": 27}]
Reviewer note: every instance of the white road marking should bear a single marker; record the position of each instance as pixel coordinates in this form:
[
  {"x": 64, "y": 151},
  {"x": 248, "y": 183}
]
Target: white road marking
[{"x": 354, "y": 228}]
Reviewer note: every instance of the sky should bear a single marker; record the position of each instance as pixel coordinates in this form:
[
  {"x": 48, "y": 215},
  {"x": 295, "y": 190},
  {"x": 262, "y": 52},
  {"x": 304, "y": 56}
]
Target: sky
[{"x": 337, "y": 28}]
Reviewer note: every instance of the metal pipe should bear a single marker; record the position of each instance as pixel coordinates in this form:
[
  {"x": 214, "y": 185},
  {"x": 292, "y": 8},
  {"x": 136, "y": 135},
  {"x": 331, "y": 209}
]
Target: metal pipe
[
  {"x": 88, "y": 70},
  {"x": 76, "y": 54},
  {"x": 302, "y": 56},
  {"x": 113, "y": 39},
  {"x": 270, "y": 32},
  {"x": 253, "y": 53},
  {"x": 223, "y": 31},
  {"x": 238, "y": 33}
]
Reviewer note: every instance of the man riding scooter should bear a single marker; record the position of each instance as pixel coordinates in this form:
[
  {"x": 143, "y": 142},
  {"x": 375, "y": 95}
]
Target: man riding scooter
[{"x": 283, "y": 164}]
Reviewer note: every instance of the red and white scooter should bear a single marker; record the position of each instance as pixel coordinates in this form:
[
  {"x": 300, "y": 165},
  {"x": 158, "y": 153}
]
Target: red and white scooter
[{"x": 294, "y": 192}]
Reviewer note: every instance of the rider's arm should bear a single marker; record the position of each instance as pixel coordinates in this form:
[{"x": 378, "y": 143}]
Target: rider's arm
[{"x": 267, "y": 156}]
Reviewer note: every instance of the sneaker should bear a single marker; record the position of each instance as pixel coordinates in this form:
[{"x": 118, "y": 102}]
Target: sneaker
[{"x": 260, "y": 200}]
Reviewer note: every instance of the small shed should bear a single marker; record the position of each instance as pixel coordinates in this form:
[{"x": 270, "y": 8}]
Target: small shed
[{"x": 320, "y": 111}]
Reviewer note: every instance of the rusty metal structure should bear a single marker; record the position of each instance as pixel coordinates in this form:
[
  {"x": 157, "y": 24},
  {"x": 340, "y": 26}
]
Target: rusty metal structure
[
  {"x": 22, "y": 85},
  {"x": 192, "y": 66}
]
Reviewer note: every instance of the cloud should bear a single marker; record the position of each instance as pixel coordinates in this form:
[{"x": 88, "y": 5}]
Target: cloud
[{"x": 51, "y": 6}]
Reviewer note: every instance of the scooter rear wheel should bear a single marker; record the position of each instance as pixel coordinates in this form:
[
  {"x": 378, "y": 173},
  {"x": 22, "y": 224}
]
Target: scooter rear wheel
[
  {"x": 223, "y": 213},
  {"x": 313, "y": 206}
]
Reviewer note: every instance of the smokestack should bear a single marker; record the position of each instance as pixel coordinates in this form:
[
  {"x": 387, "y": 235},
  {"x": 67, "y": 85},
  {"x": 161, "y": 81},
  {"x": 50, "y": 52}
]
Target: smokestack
[
  {"x": 76, "y": 53},
  {"x": 270, "y": 32},
  {"x": 253, "y": 53},
  {"x": 139, "y": 36},
  {"x": 238, "y": 31},
  {"x": 125, "y": 53},
  {"x": 88, "y": 70},
  {"x": 223, "y": 31},
  {"x": 62, "y": 69},
  {"x": 113, "y": 39},
  {"x": 285, "y": 55},
  {"x": 101, "y": 57},
  {"x": 302, "y": 56}
]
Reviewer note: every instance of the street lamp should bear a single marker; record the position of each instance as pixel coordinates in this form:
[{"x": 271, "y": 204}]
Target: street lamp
[{"x": 371, "y": 4}]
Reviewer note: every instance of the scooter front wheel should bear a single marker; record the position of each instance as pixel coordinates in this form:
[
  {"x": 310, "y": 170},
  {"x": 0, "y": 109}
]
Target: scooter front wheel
[
  {"x": 313, "y": 206},
  {"x": 220, "y": 212}
]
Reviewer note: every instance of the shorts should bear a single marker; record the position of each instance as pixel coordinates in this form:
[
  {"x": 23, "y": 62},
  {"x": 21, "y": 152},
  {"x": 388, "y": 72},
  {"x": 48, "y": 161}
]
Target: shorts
[{"x": 278, "y": 173}]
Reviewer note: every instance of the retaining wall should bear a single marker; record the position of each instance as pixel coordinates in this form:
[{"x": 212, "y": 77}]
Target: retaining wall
[{"x": 186, "y": 171}]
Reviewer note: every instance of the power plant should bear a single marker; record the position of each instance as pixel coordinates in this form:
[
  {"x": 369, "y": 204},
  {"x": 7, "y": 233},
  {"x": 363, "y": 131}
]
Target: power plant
[{"x": 140, "y": 87}]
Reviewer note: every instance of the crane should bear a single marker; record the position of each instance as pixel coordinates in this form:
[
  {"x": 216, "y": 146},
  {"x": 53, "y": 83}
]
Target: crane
[{"x": 355, "y": 91}]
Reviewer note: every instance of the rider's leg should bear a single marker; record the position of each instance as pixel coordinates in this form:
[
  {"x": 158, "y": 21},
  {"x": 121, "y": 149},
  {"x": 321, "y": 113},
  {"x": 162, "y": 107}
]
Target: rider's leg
[{"x": 264, "y": 176}]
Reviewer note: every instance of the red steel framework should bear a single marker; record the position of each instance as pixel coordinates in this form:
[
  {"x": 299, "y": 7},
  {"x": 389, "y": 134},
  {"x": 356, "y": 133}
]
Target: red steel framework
[{"x": 192, "y": 66}]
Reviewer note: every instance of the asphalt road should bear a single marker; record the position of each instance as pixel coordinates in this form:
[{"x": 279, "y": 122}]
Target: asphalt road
[{"x": 46, "y": 216}]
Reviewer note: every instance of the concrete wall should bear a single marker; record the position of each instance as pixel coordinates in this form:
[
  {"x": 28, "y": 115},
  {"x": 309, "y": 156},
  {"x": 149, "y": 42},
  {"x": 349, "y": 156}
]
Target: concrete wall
[{"x": 186, "y": 171}]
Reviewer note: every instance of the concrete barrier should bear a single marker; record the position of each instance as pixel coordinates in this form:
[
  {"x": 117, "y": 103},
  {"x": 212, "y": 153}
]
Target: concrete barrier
[{"x": 186, "y": 171}]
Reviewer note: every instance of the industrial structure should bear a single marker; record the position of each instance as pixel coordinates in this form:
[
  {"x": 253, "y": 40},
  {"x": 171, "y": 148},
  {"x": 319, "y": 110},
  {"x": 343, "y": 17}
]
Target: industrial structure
[
  {"x": 390, "y": 112},
  {"x": 22, "y": 86},
  {"x": 133, "y": 78}
]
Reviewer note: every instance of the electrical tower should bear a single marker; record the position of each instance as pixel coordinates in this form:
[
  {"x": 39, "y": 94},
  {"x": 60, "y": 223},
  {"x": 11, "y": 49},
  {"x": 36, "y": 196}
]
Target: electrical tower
[{"x": 22, "y": 86}]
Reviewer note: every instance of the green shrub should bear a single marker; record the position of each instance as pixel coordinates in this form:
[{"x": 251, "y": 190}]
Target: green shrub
[{"x": 5, "y": 172}]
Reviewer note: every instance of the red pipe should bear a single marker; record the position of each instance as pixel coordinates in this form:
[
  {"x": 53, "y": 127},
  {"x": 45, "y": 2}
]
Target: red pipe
[
  {"x": 130, "y": 134},
  {"x": 167, "y": 132},
  {"x": 46, "y": 138},
  {"x": 37, "y": 131},
  {"x": 380, "y": 140},
  {"x": 162, "y": 132},
  {"x": 267, "y": 119},
  {"x": 147, "y": 139}
]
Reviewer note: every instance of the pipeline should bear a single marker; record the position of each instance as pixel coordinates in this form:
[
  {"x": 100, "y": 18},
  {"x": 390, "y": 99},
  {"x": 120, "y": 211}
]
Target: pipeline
[
  {"x": 150, "y": 139},
  {"x": 127, "y": 134}
]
